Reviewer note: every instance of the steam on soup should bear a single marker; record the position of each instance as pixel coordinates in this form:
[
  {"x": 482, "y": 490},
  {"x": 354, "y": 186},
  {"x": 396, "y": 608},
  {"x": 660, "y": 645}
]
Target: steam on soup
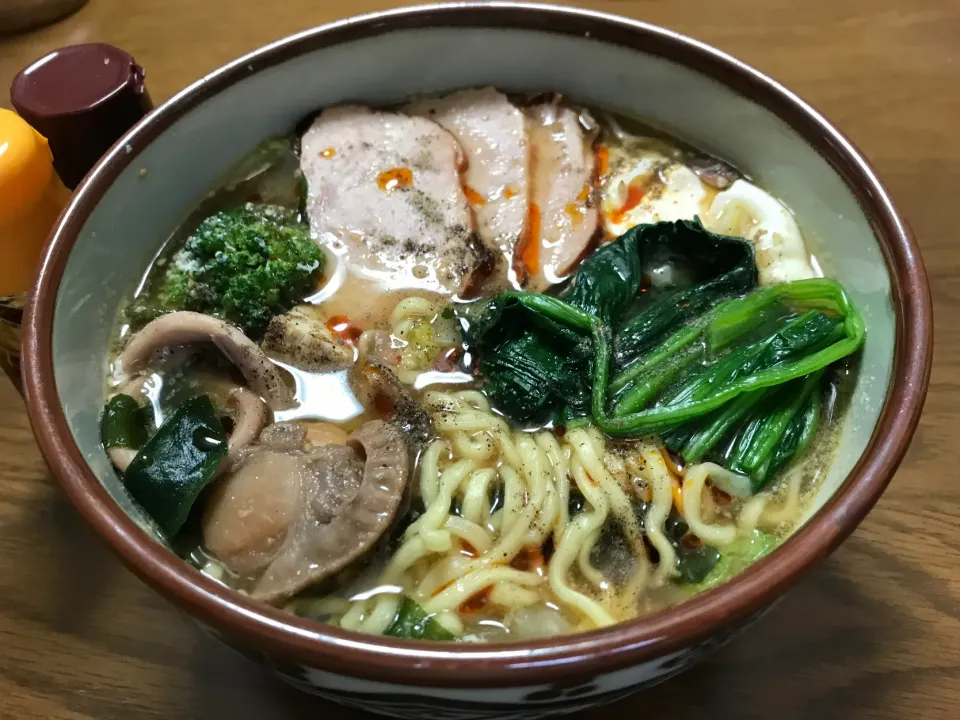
[{"x": 478, "y": 368}]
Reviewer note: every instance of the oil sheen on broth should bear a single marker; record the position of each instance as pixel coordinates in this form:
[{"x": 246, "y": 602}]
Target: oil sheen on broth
[{"x": 479, "y": 368}]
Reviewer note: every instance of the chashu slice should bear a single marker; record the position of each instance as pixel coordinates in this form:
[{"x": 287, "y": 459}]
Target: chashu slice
[
  {"x": 384, "y": 195},
  {"x": 491, "y": 131},
  {"x": 563, "y": 216}
]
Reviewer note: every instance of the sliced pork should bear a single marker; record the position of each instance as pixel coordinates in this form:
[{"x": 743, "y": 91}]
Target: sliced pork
[
  {"x": 562, "y": 215},
  {"x": 384, "y": 194},
  {"x": 490, "y": 129}
]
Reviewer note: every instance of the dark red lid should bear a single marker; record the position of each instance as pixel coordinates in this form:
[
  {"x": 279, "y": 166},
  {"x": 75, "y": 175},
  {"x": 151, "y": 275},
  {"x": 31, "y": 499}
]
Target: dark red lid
[{"x": 82, "y": 98}]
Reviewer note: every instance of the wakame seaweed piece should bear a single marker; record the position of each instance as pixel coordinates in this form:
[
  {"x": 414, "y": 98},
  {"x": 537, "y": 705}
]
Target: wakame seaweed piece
[
  {"x": 173, "y": 466},
  {"x": 695, "y": 560},
  {"x": 123, "y": 424},
  {"x": 821, "y": 293},
  {"x": 414, "y": 623}
]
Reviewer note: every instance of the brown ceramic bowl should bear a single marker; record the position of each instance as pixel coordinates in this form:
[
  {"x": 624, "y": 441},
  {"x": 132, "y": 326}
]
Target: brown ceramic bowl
[{"x": 142, "y": 188}]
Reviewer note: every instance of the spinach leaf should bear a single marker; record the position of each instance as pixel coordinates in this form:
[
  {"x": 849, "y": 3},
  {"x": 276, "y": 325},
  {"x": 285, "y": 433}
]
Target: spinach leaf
[
  {"x": 534, "y": 352},
  {"x": 776, "y": 431},
  {"x": 534, "y": 362},
  {"x": 722, "y": 267},
  {"x": 527, "y": 380},
  {"x": 799, "y": 433},
  {"x": 546, "y": 357},
  {"x": 413, "y": 622},
  {"x": 173, "y": 466},
  {"x": 730, "y": 380},
  {"x": 609, "y": 279},
  {"x": 701, "y": 437}
]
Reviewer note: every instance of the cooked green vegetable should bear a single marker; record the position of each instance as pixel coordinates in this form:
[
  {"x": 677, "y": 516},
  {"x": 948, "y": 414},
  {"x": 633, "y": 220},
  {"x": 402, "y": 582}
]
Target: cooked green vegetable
[
  {"x": 719, "y": 267},
  {"x": 762, "y": 444},
  {"x": 692, "y": 442},
  {"x": 694, "y": 559},
  {"x": 173, "y": 466},
  {"x": 728, "y": 381},
  {"x": 413, "y": 622},
  {"x": 244, "y": 265},
  {"x": 799, "y": 433},
  {"x": 736, "y": 558},
  {"x": 533, "y": 373},
  {"x": 549, "y": 358},
  {"x": 123, "y": 424},
  {"x": 806, "y": 344}
]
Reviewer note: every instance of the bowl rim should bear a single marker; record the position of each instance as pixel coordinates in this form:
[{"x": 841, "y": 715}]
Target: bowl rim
[{"x": 567, "y": 658}]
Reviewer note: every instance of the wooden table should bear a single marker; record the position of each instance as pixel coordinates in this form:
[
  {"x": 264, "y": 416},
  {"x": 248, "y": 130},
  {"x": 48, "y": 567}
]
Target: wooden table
[{"x": 874, "y": 632}]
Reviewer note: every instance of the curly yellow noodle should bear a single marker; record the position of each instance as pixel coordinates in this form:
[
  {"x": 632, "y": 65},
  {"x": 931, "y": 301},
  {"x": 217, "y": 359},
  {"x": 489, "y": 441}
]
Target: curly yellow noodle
[
  {"x": 460, "y": 545},
  {"x": 475, "y": 505},
  {"x": 469, "y": 585},
  {"x": 560, "y": 464},
  {"x": 514, "y": 497},
  {"x": 593, "y": 576},
  {"x": 508, "y": 594},
  {"x": 468, "y": 531},
  {"x": 719, "y": 534},
  {"x": 589, "y": 446},
  {"x": 659, "y": 480},
  {"x": 430, "y": 470}
]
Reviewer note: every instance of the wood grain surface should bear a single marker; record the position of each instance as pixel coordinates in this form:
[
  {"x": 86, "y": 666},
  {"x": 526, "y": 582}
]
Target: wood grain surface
[{"x": 874, "y": 632}]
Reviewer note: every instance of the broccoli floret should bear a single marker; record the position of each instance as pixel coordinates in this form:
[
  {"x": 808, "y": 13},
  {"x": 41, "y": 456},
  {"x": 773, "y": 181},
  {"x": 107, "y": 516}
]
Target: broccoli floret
[{"x": 244, "y": 265}]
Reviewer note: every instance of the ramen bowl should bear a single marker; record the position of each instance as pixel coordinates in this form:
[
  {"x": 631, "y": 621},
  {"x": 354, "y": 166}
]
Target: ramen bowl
[{"x": 147, "y": 183}]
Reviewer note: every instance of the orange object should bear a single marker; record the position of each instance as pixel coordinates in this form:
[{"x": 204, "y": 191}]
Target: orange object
[
  {"x": 477, "y": 601},
  {"x": 473, "y": 197},
  {"x": 530, "y": 250},
  {"x": 341, "y": 326},
  {"x": 635, "y": 193},
  {"x": 31, "y": 198},
  {"x": 529, "y": 559},
  {"x": 677, "y": 494},
  {"x": 395, "y": 178},
  {"x": 603, "y": 161}
]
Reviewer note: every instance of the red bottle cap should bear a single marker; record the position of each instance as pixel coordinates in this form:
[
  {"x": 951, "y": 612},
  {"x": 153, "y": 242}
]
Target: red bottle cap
[{"x": 82, "y": 98}]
